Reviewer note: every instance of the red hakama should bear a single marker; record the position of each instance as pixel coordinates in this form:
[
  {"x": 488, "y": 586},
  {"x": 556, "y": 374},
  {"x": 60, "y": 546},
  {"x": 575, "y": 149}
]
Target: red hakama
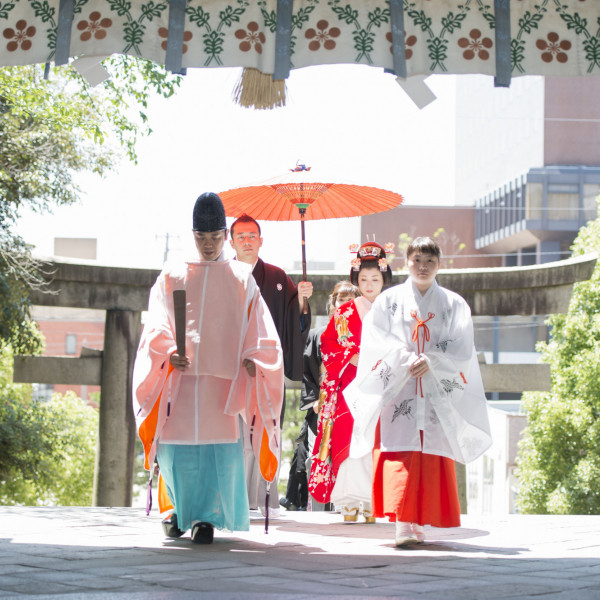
[{"x": 414, "y": 487}]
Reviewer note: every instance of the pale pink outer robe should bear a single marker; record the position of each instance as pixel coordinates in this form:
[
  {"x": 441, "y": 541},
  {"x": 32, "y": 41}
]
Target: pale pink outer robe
[{"x": 226, "y": 321}]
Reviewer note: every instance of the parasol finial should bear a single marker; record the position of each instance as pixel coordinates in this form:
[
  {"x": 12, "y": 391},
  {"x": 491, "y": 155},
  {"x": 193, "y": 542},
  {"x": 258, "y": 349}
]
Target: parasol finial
[{"x": 300, "y": 166}]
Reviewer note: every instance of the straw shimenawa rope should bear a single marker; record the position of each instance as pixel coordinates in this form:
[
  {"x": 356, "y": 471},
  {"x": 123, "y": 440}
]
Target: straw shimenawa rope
[{"x": 258, "y": 90}]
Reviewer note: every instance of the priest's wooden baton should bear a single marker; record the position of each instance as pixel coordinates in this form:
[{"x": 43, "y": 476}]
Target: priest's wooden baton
[{"x": 179, "y": 306}]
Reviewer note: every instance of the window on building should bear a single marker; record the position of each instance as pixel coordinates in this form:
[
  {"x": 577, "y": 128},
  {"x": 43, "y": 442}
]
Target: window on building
[
  {"x": 563, "y": 206},
  {"x": 484, "y": 333},
  {"x": 473, "y": 479},
  {"x": 529, "y": 256},
  {"x": 488, "y": 484},
  {"x": 71, "y": 343},
  {"x": 42, "y": 392},
  {"x": 591, "y": 191},
  {"x": 534, "y": 201}
]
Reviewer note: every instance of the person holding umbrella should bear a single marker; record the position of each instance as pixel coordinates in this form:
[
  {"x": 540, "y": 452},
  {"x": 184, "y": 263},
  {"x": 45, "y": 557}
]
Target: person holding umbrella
[
  {"x": 288, "y": 305},
  {"x": 189, "y": 392},
  {"x": 335, "y": 476}
]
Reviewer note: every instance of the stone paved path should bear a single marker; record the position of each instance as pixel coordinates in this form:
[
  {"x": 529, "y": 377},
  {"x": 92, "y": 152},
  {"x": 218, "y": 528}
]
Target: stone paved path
[{"x": 119, "y": 553}]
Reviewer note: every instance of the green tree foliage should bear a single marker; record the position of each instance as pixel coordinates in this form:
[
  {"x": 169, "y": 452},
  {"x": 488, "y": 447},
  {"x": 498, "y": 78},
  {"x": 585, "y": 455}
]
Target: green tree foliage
[
  {"x": 50, "y": 130},
  {"x": 449, "y": 244},
  {"x": 559, "y": 454},
  {"x": 47, "y": 450},
  {"x": 294, "y": 417}
]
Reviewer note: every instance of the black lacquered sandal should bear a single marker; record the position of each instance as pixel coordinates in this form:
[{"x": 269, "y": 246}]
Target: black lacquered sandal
[
  {"x": 202, "y": 533},
  {"x": 170, "y": 527}
]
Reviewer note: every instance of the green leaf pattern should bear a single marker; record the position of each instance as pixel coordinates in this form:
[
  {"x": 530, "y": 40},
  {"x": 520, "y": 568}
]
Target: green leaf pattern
[
  {"x": 437, "y": 42},
  {"x": 591, "y": 39},
  {"x": 213, "y": 36},
  {"x": 363, "y": 35},
  {"x": 45, "y": 12},
  {"x": 527, "y": 24},
  {"x": 548, "y": 37},
  {"x": 5, "y": 8}
]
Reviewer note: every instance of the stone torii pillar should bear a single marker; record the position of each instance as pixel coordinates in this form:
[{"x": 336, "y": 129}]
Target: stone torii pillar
[
  {"x": 123, "y": 294},
  {"x": 113, "y": 481}
]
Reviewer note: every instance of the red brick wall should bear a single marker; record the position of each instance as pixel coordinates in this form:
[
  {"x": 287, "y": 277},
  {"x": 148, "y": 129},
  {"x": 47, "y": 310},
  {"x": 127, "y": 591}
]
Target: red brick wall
[
  {"x": 572, "y": 121},
  {"x": 458, "y": 223},
  {"x": 87, "y": 333}
]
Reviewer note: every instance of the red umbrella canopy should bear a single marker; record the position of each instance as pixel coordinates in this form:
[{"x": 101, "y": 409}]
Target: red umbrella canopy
[{"x": 283, "y": 198}]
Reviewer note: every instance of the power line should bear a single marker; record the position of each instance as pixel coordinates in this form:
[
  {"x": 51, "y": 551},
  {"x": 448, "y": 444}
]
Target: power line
[
  {"x": 488, "y": 207},
  {"x": 498, "y": 255},
  {"x": 167, "y": 237},
  {"x": 515, "y": 326},
  {"x": 529, "y": 253}
]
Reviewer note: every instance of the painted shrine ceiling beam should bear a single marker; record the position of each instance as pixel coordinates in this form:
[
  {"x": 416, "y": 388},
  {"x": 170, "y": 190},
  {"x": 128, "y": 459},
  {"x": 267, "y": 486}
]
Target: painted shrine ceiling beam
[{"x": 498, "y": 38}]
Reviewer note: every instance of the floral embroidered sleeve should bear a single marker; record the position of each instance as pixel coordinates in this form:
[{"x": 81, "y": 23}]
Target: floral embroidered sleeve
[{"x": 340, "y": 340}]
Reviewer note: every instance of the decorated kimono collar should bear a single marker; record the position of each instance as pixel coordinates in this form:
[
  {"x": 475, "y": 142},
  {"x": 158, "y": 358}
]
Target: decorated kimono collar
[{"x": 363, "y": 306}]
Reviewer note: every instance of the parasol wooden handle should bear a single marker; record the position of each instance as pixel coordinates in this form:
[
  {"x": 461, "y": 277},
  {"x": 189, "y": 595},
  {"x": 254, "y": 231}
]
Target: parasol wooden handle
[
  {"x": 303, "y": 235},
  {"x": 179, "y": 307}
]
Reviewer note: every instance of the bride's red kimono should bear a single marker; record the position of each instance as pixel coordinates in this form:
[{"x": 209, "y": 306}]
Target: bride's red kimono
[{"x": 339, "y": 342}]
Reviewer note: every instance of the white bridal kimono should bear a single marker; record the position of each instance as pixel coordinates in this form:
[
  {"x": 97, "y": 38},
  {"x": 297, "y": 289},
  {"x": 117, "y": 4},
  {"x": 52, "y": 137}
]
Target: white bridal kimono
[{"x": 448, "y": 404}]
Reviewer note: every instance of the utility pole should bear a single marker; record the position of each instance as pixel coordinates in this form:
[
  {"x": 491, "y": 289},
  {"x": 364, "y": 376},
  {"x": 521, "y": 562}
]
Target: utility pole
[{"x": 167, "y": 237}]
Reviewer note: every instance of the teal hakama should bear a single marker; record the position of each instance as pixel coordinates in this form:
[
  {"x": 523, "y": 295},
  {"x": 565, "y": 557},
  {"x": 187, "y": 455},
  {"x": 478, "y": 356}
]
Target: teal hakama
[{"x": 206, "y": 482}]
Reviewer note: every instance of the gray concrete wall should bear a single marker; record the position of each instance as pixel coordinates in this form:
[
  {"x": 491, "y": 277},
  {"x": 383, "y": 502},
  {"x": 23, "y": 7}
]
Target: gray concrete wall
[
  {"x": 499, "y": 291},
  {"x": 535, "y": 290}
]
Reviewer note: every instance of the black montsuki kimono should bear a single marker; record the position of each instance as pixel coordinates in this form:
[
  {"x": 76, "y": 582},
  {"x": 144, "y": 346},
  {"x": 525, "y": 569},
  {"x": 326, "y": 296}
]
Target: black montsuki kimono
[
  {"x": 311, "y": 380},
  {"x": 297, "y": 489},
  {"x": 281, "y": 295}
]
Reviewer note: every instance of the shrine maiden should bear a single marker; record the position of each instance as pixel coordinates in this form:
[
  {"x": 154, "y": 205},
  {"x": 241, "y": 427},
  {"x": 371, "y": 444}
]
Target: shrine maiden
[{"x": 418, "y": 398}]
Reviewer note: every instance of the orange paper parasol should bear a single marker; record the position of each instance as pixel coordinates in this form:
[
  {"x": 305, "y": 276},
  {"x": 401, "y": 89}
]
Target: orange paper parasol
[{"x": 300, "y": 195}]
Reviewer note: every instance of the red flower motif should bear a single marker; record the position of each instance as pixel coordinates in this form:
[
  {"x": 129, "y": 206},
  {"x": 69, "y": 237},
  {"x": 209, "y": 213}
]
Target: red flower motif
[
  {"x": 553, "y": 48},
  {"x": 322, "y": 35},
  {"x": 252, "y": 37},
  {"x": 20, "y": 37},
  {"x": 475, "y": 46},
  {"x": 163, "y": 32},
  {"x": 94, "y": 27},
  {"x": 411, "y": 40}
]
